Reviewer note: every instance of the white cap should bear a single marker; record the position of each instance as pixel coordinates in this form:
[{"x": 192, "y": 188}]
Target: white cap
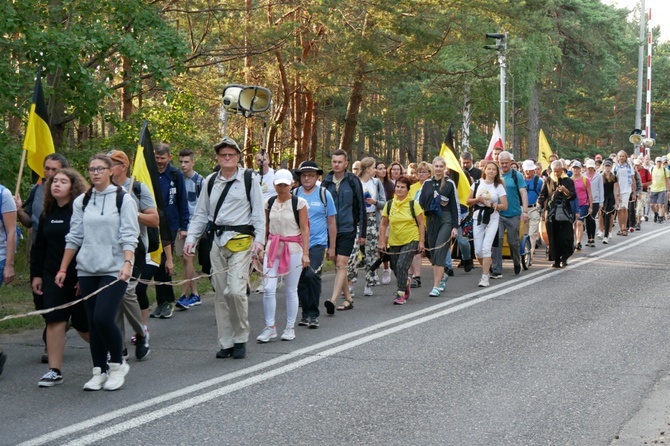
[
  {"x": 528, "y": 165},
  {"x": 590, "y": 164},
  {"x": 283, "y": 176},
  {"x": 576, "y": 163}
]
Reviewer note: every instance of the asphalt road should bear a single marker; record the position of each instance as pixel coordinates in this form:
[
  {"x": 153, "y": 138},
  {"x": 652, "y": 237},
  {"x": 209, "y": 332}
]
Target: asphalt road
[{"x": 576, "y": 356}]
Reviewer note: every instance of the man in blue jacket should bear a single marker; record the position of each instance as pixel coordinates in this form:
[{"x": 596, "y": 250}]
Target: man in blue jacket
[
  {"x": 176, "y": 216},
  {"x": 347, "y": 192}
]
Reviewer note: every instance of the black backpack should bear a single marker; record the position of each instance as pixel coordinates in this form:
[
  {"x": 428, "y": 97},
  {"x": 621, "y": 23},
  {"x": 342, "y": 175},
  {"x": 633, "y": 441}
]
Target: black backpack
[
  {"x": 153, "y": 234},
  {"x": 294, "y": 204}
]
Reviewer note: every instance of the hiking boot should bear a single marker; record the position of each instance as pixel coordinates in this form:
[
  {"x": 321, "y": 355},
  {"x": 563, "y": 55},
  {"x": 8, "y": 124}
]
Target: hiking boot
[
  {"x": 267, "y": 334},
  {"x": 224, "y": 353},
  {"x": 239, "y": 350},
  {"x": 168, "y": 309},
  {"x": 52, "y": 378},
  {"x": 116, "y": 375},
  {"x": 97, "y": 381}
]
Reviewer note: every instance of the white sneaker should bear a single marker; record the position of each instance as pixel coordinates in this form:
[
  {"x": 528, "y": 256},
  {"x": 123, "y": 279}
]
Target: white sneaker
[
  {"x": 116, "y": 375},
  {"x": 267, "y": 334},
  {"x": 599, "y": 234},
  {"x": 367, "y": 291},
  {"x": 605, "y": 240},
  {"x": 483, "y": 282},
  {"x": 288, "y": 335},
  {"x": 97, "y": 381},
  {"x": 386, "y": 276}
]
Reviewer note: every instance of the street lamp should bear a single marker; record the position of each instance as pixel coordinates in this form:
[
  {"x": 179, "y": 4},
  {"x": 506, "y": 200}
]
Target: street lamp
[{"x": 501, "y": 48}]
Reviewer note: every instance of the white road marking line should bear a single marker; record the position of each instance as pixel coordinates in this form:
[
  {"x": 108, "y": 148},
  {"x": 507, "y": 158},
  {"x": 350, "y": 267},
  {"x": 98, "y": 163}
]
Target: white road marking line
[{"x": 500, "y": 290}]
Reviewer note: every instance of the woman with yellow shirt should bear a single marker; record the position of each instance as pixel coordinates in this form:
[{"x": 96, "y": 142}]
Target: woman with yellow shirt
[{"x": 406, "y": 234}]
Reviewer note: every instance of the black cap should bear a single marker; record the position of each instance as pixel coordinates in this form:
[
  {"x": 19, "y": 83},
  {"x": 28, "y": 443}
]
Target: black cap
[{"x": 308, "y": 166}]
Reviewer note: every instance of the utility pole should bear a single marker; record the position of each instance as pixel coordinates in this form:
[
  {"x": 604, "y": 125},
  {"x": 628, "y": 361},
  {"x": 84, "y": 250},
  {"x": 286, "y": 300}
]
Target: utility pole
[
  {"x": 640, "y": 67},
  {"x": 501, "y": 48}
]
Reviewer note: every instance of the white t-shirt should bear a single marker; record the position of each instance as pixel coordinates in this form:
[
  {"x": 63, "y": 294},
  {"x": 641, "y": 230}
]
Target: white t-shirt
[
  {"x": 8, "y": 205},
  {"x": 369, "y": 187},
  {"x": 491, "y": 192},
  {"x": 268, "y": 185}
]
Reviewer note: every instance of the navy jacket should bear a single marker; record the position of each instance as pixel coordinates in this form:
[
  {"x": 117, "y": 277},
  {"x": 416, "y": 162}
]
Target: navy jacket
[
  {"x": 173, "y": 189},
  {"x": 349, "y": 202}
]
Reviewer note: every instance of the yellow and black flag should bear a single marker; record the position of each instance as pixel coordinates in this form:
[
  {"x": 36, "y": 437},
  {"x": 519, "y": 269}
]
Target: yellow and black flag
[
  {"x": 146, "y": 171},
  {"x": 38, "y": 142},
  {"x": 448, "y": 152}
]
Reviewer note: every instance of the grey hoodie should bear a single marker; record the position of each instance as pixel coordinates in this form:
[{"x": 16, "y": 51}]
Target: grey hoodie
[{"x": 101, "y": 234}]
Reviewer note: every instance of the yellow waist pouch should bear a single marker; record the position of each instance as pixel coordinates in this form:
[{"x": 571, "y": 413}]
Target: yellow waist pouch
[{"x": 241, "y": 242}]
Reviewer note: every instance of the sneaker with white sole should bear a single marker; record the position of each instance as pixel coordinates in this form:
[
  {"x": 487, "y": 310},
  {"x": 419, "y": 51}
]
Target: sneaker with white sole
[
  {"x": 443, "y": 284},
  {"x": 194, "y": 300},
  {"x": 267, "y": 334},
  {"x": 483, "y": 282},
  {"x": 599, "y": 234},
  {"x": 435, "y": 292},
  {"x": 288, "y": 335},
  {"x": 52, "y": 378},
  {"x": 98, "y": 380},
  {"x": 605, "y": 242},
  {"x": 495, "y": 276},
  {"x": 367, "y": 291},
  {"x": 386, "y": 276},
  {"x": 116, "y": 375}
]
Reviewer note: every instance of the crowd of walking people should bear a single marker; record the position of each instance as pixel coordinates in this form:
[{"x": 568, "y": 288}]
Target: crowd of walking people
[{"x": 98, "y": 239}]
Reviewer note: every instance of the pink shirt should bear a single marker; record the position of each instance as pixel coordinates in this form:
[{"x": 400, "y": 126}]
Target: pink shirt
[{"x": 580, "y": 188}]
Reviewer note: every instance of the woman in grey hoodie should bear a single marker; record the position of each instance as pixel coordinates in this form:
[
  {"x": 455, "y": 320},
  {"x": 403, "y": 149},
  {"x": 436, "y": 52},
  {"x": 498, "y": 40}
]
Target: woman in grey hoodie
[{"x": 103, "y": 235}]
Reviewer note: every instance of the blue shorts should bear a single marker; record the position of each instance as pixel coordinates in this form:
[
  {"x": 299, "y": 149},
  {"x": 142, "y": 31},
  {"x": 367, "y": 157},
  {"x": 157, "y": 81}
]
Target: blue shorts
[{"x": 583, "y": 211}]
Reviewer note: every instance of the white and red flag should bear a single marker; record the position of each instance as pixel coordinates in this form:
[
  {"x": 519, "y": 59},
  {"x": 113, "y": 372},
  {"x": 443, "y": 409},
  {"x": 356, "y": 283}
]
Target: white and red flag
[{"x": 496, "y": 142}]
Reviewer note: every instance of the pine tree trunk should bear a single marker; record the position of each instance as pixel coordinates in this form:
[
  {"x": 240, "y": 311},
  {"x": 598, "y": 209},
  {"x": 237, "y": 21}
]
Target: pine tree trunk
[
  {"x": 351, "y": 117},
  {"x": 533, "y": 122}
]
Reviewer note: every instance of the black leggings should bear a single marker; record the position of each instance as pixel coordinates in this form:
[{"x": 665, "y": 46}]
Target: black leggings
[
  {"x": 591, "y": 222},
  {"x": 141, "y": 290},
  {"x": 101, "y": 309}
]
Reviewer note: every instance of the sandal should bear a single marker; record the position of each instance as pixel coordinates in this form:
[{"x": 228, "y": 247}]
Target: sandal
[
  {"x": 346, "y": 305},
  {"x": 330, "y": 307}
]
